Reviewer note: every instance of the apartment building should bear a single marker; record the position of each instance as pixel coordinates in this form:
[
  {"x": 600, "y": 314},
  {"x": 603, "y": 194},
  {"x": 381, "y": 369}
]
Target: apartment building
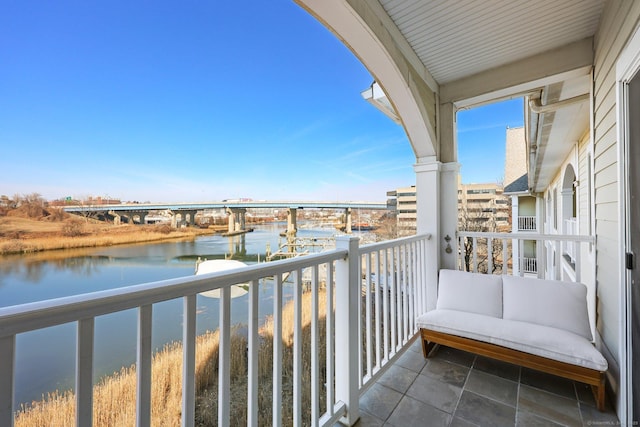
[
  {"x": 482, "y": 207},
  {"x": 402, "y": 201}
]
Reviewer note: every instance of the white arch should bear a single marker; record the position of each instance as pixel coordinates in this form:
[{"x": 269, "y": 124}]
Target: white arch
[{"x": 402, "y": 86}]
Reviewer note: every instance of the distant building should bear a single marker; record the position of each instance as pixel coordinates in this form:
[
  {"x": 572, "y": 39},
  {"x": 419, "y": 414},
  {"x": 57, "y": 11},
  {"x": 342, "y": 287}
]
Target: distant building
[
  {"x": 403, "y": 202},
  {"x": 483, "y": 207}
]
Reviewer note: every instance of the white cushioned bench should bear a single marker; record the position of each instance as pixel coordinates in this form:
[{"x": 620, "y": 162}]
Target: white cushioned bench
[{"x": 540, "y": 324}]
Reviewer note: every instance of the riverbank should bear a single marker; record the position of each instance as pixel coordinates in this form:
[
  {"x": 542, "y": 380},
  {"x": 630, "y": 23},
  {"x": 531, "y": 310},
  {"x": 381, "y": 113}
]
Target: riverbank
[{"x": 24, "y": 235}]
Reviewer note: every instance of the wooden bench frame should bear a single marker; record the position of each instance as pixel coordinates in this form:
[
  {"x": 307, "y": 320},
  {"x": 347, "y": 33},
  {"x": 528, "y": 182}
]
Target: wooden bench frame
[{"x": 593, "y": 377}]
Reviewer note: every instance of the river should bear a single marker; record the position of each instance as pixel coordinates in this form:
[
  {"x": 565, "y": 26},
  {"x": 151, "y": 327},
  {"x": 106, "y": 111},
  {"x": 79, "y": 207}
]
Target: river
[{"x": 45, "y": 359}]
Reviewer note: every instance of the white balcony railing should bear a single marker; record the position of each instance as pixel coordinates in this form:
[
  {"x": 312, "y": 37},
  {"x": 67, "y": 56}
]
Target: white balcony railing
[
  {"x": 493, "y": 252},
  {"x": 571, "y": 228},
  {"x": 372, "y": 295},
  {"x": 529, "y": 265},
  {"x": 527, "y": 223}
]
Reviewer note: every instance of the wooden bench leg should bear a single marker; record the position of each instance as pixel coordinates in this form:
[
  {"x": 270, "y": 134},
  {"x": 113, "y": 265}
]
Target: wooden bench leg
[
  {"x": 427, "y": 347},
  {"x": 599, "y": 393}
]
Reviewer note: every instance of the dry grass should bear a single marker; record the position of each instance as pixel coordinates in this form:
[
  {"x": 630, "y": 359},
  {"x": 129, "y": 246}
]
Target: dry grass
[
  {"x": 114, "y": 396},
  {"x": 23, "y": 235}
]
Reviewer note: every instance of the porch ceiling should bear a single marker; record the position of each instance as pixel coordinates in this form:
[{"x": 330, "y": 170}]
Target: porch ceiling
[
  {"x": 469, "y": 53},
  {"x": 458, "y": 39}
]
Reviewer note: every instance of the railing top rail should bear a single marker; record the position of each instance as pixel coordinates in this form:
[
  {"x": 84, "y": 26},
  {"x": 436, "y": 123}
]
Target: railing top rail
[
  {"x": 529, "y": 236},
  {"x": 37, "y": 315},
  {"x": 391, "y": 243}
]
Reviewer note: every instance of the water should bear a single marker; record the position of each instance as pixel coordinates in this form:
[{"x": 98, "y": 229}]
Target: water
[{"x": 45, "y": 359}]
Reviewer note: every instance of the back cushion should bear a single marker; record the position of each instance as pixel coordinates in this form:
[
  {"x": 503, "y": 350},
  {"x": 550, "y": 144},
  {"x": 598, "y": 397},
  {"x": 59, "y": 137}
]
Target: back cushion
[
  {"x": 547, "y": 302},
  {"x": 470, "y": 292}
]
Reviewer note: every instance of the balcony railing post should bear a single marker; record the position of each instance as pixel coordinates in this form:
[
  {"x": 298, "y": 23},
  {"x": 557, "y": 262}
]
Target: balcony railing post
[
  {"x": 347, "y": 317},
  {"x": 7, "y": 378}
]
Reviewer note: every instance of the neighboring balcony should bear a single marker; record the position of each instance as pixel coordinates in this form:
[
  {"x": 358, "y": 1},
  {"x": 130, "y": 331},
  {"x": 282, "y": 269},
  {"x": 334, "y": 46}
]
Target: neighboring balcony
[{"x": 527, "y": 223}]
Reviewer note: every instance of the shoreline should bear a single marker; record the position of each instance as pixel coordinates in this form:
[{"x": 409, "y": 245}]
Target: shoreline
[{"x": 21, "y": 240}]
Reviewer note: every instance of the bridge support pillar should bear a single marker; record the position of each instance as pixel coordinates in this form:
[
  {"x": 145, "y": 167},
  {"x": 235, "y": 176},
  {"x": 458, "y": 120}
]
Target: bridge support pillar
[
  {"x": 191, "y": 217},
  {"x": 237, "y": 219},
  {"x": 347, "y": 221},
  {"x": 292, "y": 223},
  {"x": 174, "y": 219},
  {"x": 116, "y": 217}
]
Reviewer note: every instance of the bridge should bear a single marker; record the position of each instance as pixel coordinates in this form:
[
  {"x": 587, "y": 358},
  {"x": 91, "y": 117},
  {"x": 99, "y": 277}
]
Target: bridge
[{"x": 236, "y": 211}]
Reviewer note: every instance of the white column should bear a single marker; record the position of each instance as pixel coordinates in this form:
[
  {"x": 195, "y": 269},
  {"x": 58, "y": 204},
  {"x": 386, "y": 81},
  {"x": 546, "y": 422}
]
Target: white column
[
  {"x": 449, "y": 173},
  {"x": 347, "y": 315},
  {"x": 428, "y": 220},
  {"x": 437, "y": 206}
]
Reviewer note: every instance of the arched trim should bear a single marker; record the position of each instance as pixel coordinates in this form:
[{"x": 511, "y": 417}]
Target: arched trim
[{"x": 372, "y": 42}]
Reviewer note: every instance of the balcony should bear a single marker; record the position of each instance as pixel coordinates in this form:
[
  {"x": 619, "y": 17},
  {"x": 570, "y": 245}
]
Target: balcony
[
  {"x": 371, "y": 296},
  {"x": 527, "y": 223}
]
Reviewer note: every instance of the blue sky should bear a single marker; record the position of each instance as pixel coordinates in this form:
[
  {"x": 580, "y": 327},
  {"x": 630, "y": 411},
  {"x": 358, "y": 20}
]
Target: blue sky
[{"x": 200, "y": 101}]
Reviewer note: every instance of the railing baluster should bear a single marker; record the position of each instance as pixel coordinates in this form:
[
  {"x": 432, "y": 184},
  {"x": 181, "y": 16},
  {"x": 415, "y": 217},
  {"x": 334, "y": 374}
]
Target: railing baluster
[
  {"x": 84, "y": 372},
  {"x": 378, "y": 309},
  {"x": 189, "y": 360},
  {"x": 143, "y": 366},
  {"x": 277, "y": 352},
  {"x": 505, "y": 256},
  {"x": 315, "y": 396},
  {"x": 297, "y": 347},
  {"x": 252, "y": 355},
  {"x": 7, "y": 378},
  {"x": 330, "y": 341},
  {"x": 385, "y": 303},
  {"x": 393, "y": 301},
  {"x": 413, "y": 289},
  {"x": 224, "y": 358},
  {"x": 404, "y": 299},
  {"x": 367, "y": 325},
  {"x": 475, "y": 254},
  {"x": 490, "y": 255}
]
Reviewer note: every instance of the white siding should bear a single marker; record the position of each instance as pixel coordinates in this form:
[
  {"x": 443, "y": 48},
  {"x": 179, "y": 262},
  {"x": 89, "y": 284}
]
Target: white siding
[{"x": 619, "y": 20}]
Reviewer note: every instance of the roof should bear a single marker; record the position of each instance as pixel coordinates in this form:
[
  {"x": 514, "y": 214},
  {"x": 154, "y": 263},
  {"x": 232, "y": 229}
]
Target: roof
[{"x": 520, "y": 185}]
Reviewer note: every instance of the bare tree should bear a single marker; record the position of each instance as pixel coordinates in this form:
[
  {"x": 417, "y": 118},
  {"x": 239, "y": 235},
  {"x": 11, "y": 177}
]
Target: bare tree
[{"x": 480, "y": 219}]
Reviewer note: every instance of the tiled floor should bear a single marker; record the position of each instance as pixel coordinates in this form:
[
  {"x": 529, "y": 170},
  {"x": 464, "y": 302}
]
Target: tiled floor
[{"x": 455, "y": 388}]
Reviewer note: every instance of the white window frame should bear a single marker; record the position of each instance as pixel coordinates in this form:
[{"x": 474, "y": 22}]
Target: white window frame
[{"x": 627, "y": 67}]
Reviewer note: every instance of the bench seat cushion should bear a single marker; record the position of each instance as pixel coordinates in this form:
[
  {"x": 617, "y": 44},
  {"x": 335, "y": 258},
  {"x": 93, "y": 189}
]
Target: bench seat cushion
[{"x": 544, "y": 341}]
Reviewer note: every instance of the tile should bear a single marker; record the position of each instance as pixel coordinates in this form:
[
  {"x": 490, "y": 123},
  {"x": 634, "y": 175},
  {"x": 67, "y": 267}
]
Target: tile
[
  {"x": 411, "y": 412},
  {"x": 547, "y": 382},
  {"x": 493, "y": 387},
  {"x": 497, "y": 367},
  {"x": 456, "y": 356},
  {"x": 585, "y": 394},
  {"x": 367, "y": 420},
  {"x": 527, "y": 419},
  {"x": 482, "y": 411},
  {"x": 436, "y": 393},
  {"x": 459, "y": 422},
  {"x": 549, "y": 406},
  {"x": 398, "y": 378},
  {"x": 380, "y": 401},
  {"x": 416, "y": 346},
  {"x": 412, "y": 360},
  {"x": 592, "y": 417},
  {"x": 447, "y": 372}
]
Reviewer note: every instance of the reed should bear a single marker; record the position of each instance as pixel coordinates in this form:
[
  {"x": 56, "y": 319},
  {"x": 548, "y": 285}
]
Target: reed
[
  {"x": 28, "y": 241},
  {"x": 114, "y": 395}
]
